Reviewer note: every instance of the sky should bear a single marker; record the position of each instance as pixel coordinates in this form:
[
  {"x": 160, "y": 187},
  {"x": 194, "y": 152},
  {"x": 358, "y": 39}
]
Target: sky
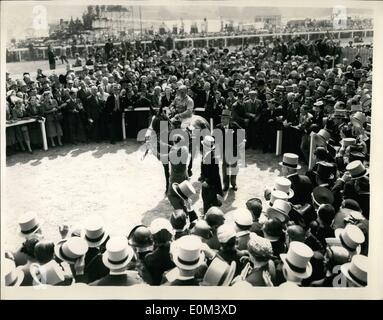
[{"x": 21, "y": 16}]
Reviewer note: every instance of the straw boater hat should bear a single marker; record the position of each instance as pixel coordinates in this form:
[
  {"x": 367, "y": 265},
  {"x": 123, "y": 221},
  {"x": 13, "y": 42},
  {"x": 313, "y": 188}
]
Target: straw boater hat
[
  {"x": 356, "y": 108},
  {"x": 71, "y": 249},
  {"x": 118, "y": 253},
  {"x": 13, "y": 276},
  {"x": 324, "y": 135},
  {"x": 94, "y": 232},
  {"x": 350, "y": 237},
  {"x": 297, "y": 260},
  {"x": 225, "y": 232},
  {"x": 184, "y": 189},
  {"x": 159, "y": 224},
  {"x": 208, "y": 142},
  {"x": 219, "y": 273},
  {"x": 29, "y": 224},
  {"x": 284, "y": 185},
  {"x": 348, "y": 142},
  {"x": 280, "y": 210},
  {"x": 277, "y": 194},
  {"x": 356, "y": 169},
  {"x": 290, "y": 160},
  {"x": 50, "y": 273},
  {"x": 356, "y": 270},
  {"x": 358, "y": 119},
  {"x": 226, "y": 113},
  {"x": 187, "y": 252}
]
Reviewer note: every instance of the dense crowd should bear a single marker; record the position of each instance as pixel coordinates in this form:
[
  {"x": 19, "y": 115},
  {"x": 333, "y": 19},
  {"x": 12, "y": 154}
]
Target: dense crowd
[{"x": 311, "y": 228}]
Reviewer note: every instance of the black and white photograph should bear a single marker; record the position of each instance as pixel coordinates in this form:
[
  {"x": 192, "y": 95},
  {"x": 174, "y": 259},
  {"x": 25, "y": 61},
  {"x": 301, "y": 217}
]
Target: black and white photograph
[{"x": 152, "y": 144}]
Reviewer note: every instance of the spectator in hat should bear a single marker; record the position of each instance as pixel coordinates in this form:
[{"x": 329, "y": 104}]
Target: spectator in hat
[
  {"x": 159, "y": 260},
  {"x": 229, "y": 252},
  {"x": 180, "y": 223},
  {"x": 243, "y": 221},
  {"x": 231, "y": 133},
  {"x": 323, "y": 224},
  {"x": 271, "y": 120},
  {"x": 188, "y": 257},
  {"x": 300, "y": 184},
  {"x": 211, "y": 186},
  {"x": 214, "y": 218},
  {"x": 296, "y": 264},
  {"x": 254, "y": 205},
  {"x": 51, "y": 58},
  {"x": 273, "y": 231},
  {"x": 114, "y": 109},
  {"x": 116, "y": 258},
  {"x": 22, "y": 132},
  {"x": 261, "y": 255}
]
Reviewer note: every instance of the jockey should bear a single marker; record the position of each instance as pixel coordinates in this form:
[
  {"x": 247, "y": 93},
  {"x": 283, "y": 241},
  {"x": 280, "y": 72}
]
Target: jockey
[{"x": 182, "y": 106}]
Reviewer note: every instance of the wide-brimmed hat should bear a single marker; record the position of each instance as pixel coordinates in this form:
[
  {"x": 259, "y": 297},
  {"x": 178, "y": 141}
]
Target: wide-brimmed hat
[
  {"x": 219, "y": 273},
  {"x": 50, "y": 273},
  {"x": 71, "y": 249},
  {"x": 284, "y": 185},
  {"x": 325, "y": 170},
  {"x": 94, "y": 232},
  {"x": 365, "y": 100},
  {"x": 356, "y": 169},
  {"x": 187, "y": 252},
  {"x": 243, "y": 218},
  {"x": 226, "y": 232},
  {"x": 208, "y": 142},
  {"x": 356, "y": 270},
  {"x": 29, "y": 224},
  {"x": 322, "y": 195},
  {"x": 290, "y": 160},
  {"x": 280, "y": 210},
  {"x": 14, "y": 276},
  {"x": 184, "y": 189},
  {"x": 118, "y": 253},
  {"x": 297, "y": 259},
  {"x": 350, "y": 237}
]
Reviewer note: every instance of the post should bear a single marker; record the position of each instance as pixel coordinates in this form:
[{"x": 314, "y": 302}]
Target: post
[
  {"x": 278, "y": 149},
  {"x": 312, "y": 150},
  {"x": 123, "y": 126},
  {"x": 43, "y": 134},
  {"x": 211, "y": 125}
]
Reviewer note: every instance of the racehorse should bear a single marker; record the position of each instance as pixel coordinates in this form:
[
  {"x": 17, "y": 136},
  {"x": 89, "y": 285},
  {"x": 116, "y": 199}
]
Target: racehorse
[{"x": 189, "y": 125}]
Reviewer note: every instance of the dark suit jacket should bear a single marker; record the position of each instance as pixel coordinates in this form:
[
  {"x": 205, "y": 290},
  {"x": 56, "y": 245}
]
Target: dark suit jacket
[
  {"x": 302, "y": 187},
  {"x": 110, "y": 105},
  {"x": 128, "y": 279},
  {"x": 93, "y": 107},
  {"x": 186, "y": 282},
  {"x": 158, "y": 262},
  {"x": 210, "y": 172}
]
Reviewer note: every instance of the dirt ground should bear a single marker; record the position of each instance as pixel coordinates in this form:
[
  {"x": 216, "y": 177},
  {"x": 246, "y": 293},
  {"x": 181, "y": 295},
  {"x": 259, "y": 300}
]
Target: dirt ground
[{"x": 66, "y": 184}]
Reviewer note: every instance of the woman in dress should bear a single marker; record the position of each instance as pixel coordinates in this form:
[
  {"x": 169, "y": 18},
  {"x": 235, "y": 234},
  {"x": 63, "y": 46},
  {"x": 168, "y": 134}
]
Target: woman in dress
[
  {"x": 22, "y": 133},
  {"x": 52, "y": 115},
  {"x": 34, "y": 110}
]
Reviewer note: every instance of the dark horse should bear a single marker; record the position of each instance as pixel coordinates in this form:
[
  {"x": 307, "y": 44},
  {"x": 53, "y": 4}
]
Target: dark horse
[{"x": 188, "y": 125}]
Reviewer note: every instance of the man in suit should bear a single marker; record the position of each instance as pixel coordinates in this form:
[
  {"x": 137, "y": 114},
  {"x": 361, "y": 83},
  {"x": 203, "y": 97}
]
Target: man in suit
[
  {"x": 229, "y": 148},
  {"x": 93, "y": 109},
  {"x": 113, "y": 108},
  {"x": 211, "y": 186},
  {"x": 117, "y": 257},
  {"x": 271, "y": 120},
  {"x": 253, "y": 113},
  {"x": 159, "y": 261},
  {"x": 300, "y": 184}
]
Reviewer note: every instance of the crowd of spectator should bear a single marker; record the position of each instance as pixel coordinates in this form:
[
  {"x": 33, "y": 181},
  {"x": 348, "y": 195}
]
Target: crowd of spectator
[{"x": 311, "y": 229}]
